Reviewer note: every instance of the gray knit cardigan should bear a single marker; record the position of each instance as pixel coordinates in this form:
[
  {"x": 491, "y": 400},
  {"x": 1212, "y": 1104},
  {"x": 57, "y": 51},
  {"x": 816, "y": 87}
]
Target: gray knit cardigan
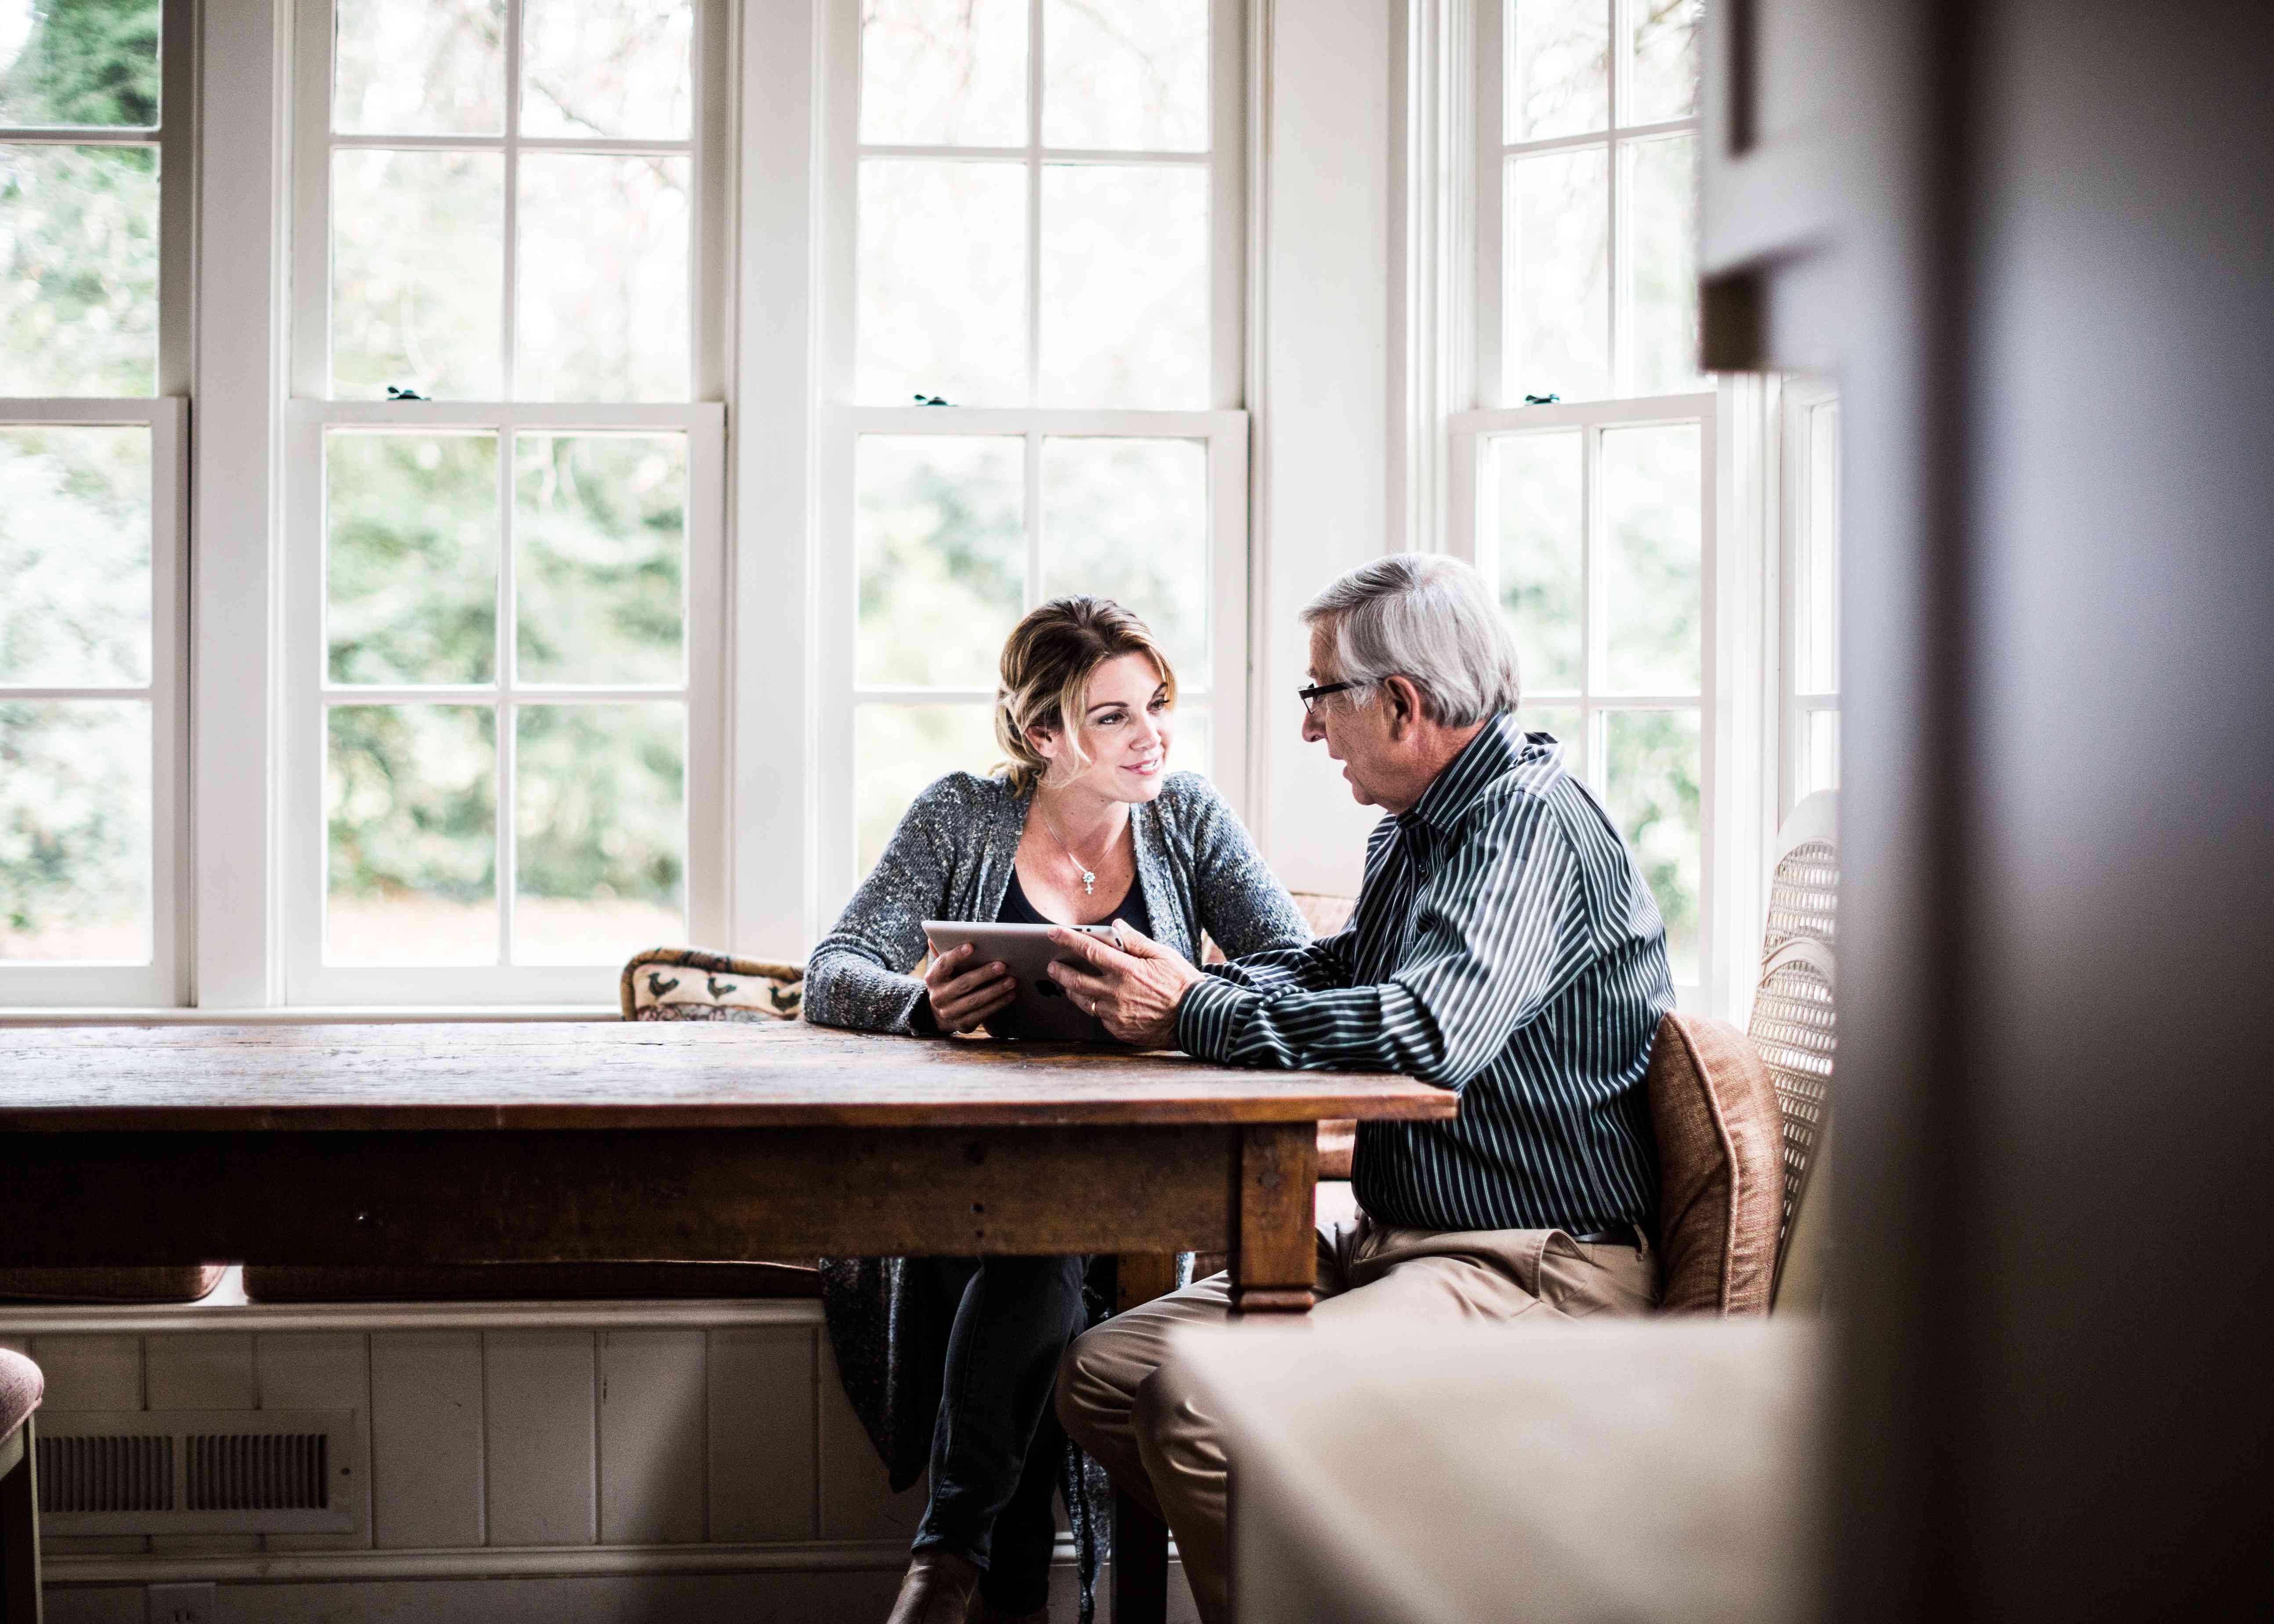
[{"x": 951, "y": 858}]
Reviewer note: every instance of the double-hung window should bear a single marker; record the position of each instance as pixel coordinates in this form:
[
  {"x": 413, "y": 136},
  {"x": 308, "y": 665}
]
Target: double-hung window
[
  {"x": 95, "y": 147},
  {"x": 1808, "y": 690},
  {"x": 504, "y": 556},
  {"x": 1586, "y": 483},
  {"x": 1033, "y": 381}
]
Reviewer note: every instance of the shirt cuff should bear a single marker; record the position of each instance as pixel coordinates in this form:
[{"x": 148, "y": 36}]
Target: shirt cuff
[{"x": 1209, "y": 1014}]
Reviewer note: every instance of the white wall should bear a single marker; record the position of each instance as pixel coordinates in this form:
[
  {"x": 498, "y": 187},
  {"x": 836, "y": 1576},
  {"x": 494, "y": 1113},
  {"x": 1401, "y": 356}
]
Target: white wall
[{"x": 1321, "y": 393}]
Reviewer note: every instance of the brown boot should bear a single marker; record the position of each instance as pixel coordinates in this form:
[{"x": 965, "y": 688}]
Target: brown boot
[
  {"x": 985, "y": 1612},
  {"x": 936, "y": 1588}
]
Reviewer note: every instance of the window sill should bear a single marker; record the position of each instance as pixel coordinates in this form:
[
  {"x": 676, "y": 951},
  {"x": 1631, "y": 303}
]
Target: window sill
[{"x": 31, "y": 1015}]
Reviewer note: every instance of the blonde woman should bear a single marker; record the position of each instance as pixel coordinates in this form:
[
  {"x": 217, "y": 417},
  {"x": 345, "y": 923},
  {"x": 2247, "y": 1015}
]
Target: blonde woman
[{"x": 950, "y": 1361}]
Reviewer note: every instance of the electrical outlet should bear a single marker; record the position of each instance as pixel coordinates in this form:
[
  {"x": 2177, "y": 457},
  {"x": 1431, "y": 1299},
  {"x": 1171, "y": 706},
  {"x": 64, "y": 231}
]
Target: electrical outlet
[{"x": 181, "y": 1604}]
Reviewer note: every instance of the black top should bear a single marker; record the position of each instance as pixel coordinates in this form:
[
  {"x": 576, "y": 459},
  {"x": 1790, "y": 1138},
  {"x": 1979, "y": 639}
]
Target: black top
[{"x": 1017, "y": 910}]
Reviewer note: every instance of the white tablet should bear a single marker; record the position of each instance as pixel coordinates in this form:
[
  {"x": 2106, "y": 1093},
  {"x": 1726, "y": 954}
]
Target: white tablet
[{"x": 1041, "y": 1012}]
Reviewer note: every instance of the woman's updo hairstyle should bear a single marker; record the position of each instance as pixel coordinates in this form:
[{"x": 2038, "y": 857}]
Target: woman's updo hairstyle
[{"x": 1046, "y": 666}]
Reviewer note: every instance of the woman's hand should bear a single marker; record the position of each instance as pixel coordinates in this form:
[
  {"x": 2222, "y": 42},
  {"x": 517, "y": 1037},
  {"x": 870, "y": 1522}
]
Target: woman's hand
[{"x": 962, "y": 998}]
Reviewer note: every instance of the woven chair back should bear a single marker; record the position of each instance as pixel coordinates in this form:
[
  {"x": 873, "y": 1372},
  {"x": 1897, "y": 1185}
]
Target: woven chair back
[{"x": 1793, "y": 1029}]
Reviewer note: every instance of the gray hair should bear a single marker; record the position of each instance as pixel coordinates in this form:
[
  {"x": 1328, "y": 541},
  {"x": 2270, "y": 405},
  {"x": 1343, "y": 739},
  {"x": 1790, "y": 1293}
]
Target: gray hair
[{"x": 1427, "y": 618}]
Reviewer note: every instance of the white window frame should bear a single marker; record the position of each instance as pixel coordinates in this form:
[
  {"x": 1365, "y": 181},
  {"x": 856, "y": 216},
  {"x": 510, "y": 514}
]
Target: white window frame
[
  {"x": 1733, "y": 527},
  {"x": 164, "y": 978},
  {"x": 307, "y": 980},
  {"x": 1475, "y": 539},
  {"x": 1809, "y": 501},
  {"x": 1222, "y": 427}
]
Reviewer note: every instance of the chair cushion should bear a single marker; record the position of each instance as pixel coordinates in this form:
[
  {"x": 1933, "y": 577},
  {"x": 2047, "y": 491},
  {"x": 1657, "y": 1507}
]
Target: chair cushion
[
  {"x": 21, "y": 1389},
  {"x": 508, "y": 1283},
  {"x": 184, "y": 1282},
  {"x": 1713, "y": 1107},
  {"x": 690, "y": 983}
]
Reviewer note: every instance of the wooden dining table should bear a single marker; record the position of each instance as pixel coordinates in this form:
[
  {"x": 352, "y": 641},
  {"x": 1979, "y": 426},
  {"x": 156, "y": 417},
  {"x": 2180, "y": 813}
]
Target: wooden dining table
[{"x": 566, "y": 1142}]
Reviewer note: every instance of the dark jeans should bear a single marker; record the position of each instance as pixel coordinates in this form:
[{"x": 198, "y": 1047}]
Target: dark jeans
[{"x": 996, "y": 1448}]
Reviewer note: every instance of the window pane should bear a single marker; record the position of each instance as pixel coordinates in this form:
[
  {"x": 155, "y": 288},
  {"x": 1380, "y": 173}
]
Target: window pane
[
  {"x": 1125, "y": 286},
  {"x": 75, "y": 815},
  {"x": 898, "y": 749},
  {"x": 1665, "y": 81},
  {"x": 1816, "y": 591},
  {"x": 1131, "y": 74},
  {"x": 1819, "y": 751},
  {"x": 79, "y": 270},
  {"x": 603, "y": 269},
  {"x": 600, "y": 831},
  {"x": 599, "y": 543},
  {"x": 942, "y": 303},
  {"x": 419, "y": 67},
  {"x": 1558, "y": 274},
  {"x": 1558, "y": 78},
  {"x": 410, "y": 557},
  {"x": 1662, "y": 267},
  {"x": 611, "y": 68},
  {"x": 943, "y": 72},
  {"x": 942, "y": 556},
  {"x": 418, "y": 266},
  {"x": 1655, "y": 768},
  {"x": 75, "y": 554},
  {"x": 1535, "y": 486},
  {"x": 1653, "y": 600},
  {"x": 1192, "y": 743},
  {"x": 1127, "y": 519},
  {"x": 411, "y": 796},
  {"x": 93, "y": 62}
]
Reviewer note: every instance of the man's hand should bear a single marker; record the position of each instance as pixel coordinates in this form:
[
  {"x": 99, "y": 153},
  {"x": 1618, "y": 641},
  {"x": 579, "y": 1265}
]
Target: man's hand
[{"x": 1134, "y": 990}]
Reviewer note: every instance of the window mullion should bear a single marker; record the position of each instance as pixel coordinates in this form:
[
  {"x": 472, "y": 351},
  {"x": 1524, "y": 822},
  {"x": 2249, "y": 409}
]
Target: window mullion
[
  {"x": 507, "y": 721},
  {"x": 511, "y": 259},
  {"x": 1033, "y": 201},
  {"x": 1032, "y": 501},
  {"x": 1591, "y": 617}
]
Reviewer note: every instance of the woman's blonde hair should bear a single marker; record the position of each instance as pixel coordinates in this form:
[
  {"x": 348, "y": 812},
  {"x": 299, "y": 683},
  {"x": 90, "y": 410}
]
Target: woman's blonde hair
[{"x": 1047, "y": 664}]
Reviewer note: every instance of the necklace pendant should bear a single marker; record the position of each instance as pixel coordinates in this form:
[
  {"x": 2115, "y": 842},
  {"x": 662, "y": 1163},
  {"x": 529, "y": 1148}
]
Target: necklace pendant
[{"x": 1088, "y": 884}]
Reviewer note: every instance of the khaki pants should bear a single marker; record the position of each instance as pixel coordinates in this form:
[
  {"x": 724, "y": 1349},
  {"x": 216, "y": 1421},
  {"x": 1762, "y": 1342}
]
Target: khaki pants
[{"x": 1161, "y": 1446}]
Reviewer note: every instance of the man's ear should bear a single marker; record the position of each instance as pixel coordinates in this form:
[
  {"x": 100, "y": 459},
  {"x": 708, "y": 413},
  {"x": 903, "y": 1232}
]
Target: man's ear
[{"x": 1404, "y": 705}]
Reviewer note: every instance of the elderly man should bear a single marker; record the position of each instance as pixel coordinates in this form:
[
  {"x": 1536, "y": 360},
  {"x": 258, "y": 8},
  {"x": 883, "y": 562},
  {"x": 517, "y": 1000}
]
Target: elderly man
[{"x": 1504, "y": 946}]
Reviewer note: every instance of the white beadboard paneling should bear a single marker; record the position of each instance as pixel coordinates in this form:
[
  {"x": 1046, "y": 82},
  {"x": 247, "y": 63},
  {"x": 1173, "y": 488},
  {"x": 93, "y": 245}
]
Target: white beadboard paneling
[
  {"x": 90, "y": 1372},
  {"x": 319, "y": 1371},
  {"x": 856, "y": 1501},
  {"x": 652, "y": 1437},
  {"x": 762, "y": 1446},
  {"x": 427, "y": 1440},
  {"x": 541, "y": 1437},
  {"x": 205, "y": 1371}
]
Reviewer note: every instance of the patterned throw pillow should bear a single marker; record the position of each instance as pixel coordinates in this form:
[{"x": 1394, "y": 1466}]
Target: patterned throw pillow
[{"x": 686, "y": 983}]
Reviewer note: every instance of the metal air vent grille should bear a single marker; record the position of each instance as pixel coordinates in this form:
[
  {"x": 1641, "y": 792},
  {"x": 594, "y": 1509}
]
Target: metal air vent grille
[{"x": 199, "y": 1471}]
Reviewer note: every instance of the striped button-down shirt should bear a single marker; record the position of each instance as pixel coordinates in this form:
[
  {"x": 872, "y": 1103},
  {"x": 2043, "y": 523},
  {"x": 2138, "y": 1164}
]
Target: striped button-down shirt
[{"x": 1504, "y": 946}]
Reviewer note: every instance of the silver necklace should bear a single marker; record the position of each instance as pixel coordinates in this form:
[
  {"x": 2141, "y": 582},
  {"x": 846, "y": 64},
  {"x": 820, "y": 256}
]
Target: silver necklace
[{"x": 1088, "y": 875}]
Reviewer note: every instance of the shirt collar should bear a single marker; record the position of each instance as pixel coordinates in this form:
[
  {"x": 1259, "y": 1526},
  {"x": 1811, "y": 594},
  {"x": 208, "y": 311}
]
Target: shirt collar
[{"x": 1497, "y": 747}]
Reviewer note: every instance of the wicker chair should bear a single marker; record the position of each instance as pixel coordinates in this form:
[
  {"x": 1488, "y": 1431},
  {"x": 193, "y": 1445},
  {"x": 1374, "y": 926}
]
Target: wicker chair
[
  {"x": 1793, "y": 1029},
  {"x": 21, "y": 1389}
]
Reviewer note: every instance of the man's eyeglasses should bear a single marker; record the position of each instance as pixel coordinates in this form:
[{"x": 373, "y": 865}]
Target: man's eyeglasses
[{"x": 1311, "y": 696}]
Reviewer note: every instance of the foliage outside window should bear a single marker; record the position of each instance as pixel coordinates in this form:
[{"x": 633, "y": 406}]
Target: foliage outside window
[{"x": 88, "y": 690}]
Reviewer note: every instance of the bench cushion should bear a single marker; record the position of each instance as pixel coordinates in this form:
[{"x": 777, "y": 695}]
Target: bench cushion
[
  {"x": 1713, "y": 1107},
  {"x": 184, "y": 1282},
  {"x": 21, "y": 1389},
  {"x": 427, "y": 1282}
]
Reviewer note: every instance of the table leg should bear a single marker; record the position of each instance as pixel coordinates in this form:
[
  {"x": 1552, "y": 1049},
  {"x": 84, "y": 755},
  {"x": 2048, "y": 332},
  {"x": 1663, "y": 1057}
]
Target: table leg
[
  {"x": 1275, "y": 1254},
  {"x": 1140, "y": 1563}
]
